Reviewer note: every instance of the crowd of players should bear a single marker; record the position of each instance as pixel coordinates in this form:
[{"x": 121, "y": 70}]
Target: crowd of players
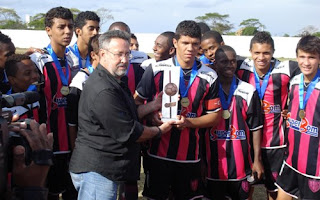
[{"x": 246, "y": 120}]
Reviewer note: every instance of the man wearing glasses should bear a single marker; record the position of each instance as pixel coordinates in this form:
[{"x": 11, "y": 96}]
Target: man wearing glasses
[{"x": 107, "y": 148}]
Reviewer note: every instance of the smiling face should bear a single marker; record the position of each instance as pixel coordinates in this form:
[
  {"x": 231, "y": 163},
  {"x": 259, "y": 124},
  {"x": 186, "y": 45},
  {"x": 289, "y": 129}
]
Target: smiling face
[
  {"x": 161, "y": 49},
  {"x": 209, "y": 48},
  {"x": 308, "y": 64},
  {"x": 226, "y": 64},
  {"x": 186, "y": 50},
  {"x": 26, "y": 74},
  {"x": 261, "y": 54},
  {"x": 61, "y": 31}
]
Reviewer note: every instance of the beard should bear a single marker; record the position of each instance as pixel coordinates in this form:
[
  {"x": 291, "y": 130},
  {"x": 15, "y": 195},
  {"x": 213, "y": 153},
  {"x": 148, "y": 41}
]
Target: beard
[{"x": 121, "y": 72}]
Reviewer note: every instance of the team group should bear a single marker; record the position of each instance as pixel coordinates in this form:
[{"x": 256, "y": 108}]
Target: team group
[{"x": 240, "y": 121}]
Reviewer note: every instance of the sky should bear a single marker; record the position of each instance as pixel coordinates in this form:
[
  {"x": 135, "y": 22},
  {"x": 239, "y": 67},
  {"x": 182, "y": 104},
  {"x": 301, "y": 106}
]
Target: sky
[{"x": 156, "y": 16}]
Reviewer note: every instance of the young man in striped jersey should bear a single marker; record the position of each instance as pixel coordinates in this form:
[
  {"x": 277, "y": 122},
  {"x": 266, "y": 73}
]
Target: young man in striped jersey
[
  {"x": 228, "y": 145},
  {"x": 175, "y": 157},
  {"x": 300, "y": 173},
  {"x": 271, "y": 79}
]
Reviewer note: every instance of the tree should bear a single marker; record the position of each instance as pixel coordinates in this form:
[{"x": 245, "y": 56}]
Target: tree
[
  {"x": 249, "y": 30},
  {"x": 37, "y": 21},
  {"x": 104, "y": 15},
  {"x": 308, "y": 30},
  {"x": 216, "y": 22},
  {"x": 75, "y": 12},
  {"x": 252, "y": 22},
  {"x": 9, "y": 19}
]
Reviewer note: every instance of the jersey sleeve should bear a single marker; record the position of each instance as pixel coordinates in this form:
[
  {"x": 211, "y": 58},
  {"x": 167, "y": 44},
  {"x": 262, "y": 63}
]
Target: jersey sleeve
[
  {"x": 146, "y": 86},
  {"x": 294, "y": 68},
  {"x": 254, "y": 113},
  {"x": 212, "y": 100}
]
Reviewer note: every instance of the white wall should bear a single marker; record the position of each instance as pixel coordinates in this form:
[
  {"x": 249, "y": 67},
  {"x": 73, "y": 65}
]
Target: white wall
[{"x": 285, "y": 46}]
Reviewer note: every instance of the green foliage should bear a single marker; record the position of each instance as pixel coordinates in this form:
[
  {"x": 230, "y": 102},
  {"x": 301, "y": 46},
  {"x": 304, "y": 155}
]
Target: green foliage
[
  {"x": 37, "y": 22},
  {"x": 252, "y": 22},
  {"x": 216, "y": 22},
  {"x": 9, "y": 19},
  {"x": 11, "y": 24},
  {"x": 250, "y": 30},
  {"x": 316, "y": 34},
  {"x": 286, "y": 35}
]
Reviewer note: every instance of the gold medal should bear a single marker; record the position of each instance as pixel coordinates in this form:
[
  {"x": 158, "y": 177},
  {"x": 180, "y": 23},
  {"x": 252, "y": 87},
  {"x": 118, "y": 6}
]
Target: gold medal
[
  {"x": 185, "y": 102},
  {"x": 302, "y": 114},
  {"x": 64, "y": 90},
  {"x": 225, "y": 114}
]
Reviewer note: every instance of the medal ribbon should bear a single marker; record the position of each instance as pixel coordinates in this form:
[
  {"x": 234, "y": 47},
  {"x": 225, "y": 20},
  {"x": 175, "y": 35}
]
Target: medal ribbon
[
  {"x": 303, "y": 101},
  {"x": 88, "y": 64},
  {"x": 226, "y": 103},
  {"x": 183, "y": 88},
  {"x": 261, "y": 89},
  {"x": 30, "y": 88},
  {"x": 64, "y": 78}
]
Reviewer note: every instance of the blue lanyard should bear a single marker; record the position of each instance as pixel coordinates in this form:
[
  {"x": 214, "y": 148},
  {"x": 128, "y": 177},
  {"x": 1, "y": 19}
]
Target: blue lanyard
[
  {"x": 30, "y": 88},
  {"x": 303, "y": 101},
  {"x": 226, "y": 103},
  {"x": 183, "y": 88},
  {"x": 77, "y": 53},
  {"x": 261, "y": 89},
  {"x": 64, "y": 78}
]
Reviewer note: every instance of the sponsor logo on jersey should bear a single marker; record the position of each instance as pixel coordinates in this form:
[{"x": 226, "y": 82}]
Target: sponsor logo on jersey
[
  {"x": 231, "y": 134},
  {"x": 185, "y": 113},
  {"x": 59, "y": 102},
  {"x": 302, "y": 126},
  {"x": 268, "y": 108}
]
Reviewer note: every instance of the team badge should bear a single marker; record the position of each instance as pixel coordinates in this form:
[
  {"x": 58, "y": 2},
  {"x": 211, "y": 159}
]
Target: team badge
[
  {"x": 245, "y": 185},
  {"x": 314, "y": 185}
]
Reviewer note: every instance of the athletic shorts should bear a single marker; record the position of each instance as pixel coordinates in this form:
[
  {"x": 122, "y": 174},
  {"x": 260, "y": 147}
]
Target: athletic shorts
[
  {"x": 235, "y": 190},
  {"x": 272, "y": 160},
  {"x": 182, "y": 180},
  {"x": 298, "y": 185}
]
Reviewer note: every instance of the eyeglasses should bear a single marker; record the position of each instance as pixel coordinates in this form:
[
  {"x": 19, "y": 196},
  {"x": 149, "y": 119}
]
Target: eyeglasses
[{"x": 120, "y": 55}]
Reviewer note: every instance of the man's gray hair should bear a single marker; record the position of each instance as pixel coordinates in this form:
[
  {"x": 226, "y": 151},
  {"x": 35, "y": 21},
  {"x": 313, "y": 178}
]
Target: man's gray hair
[{"x": 106, "y": 37}]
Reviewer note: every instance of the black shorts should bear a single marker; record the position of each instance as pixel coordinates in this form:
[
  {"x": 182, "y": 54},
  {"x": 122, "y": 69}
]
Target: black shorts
[
  {"x": 298, "y": 185},
  {"x": 235, "y": 190},
  {"x": 58, "y": 179},
  {"x": 182, "y": 179},
  {"x": 272, "y": 160}
]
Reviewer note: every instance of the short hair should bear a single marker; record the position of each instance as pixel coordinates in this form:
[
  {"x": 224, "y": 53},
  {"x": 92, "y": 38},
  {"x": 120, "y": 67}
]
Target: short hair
[
  {"x": 120, "y": 25},
  {"x": 203, "y": 27},
  {"x": 223, "y": 49},
  {"x": 169, "y": 35},
  {"x": 106, "y": 37},
  {"x": 188, "y": 28},
  {"x": 262, "y": 37},
  {"x": 57, "y": 12},
  {"x": 133, "y": 36},
  {"x": 11, "y": 66},
  {"x": 212, "y": 34},
  {"x": 5, "y": 39},
  {"x": 94, "y": 44},
  {"x": 83, "y": 17},
  {"x": 309, "y": 44}
]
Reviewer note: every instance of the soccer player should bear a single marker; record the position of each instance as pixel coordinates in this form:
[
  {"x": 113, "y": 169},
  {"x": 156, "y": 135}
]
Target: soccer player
[
  {"x": 76, "y": 87},
  {"x": 271, "y": 79},
  {"x": 134, "y": 44},
  {"x": 163, "y": 49},
  {"x": 7, "y": 48},
  {"x": 174, "y": 158},
  {"x": 21, "y": 73},
  {"x": 300, "y": 174},
  {"x": 134, "y": 71},
  {"x": 86, "y": 25},
  {"x": 56, "y": 76},
  {"x": 228, "y": 145},
  {"x": 210, "y": 42}
]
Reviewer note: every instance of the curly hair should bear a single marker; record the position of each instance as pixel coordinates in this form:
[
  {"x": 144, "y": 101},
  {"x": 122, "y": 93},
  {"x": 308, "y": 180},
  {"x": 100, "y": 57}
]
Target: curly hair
[
  {"x": 11, "y": 66},
  {"x": 188, "y": 28},
  {"x": 57, "y": 12}
]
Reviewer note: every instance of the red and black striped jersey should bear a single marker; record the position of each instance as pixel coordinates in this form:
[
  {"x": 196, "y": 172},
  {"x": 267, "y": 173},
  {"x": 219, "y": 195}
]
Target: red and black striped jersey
[
  {"x": 303, "y": 134},
  {"x": 274, "y": 99},
  {"x": 52, "y": 101},
  {"x": 27, "y": 111},
  {"x": 134, "y": 75},
  {"x": 228, "y": 144},
  {"x": 177, "y": 145}
]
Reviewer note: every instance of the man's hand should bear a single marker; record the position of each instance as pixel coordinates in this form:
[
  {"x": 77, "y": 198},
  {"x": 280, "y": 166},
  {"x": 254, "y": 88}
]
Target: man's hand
[
  {"x": 258, "y": 168},
  {"x": 284, "y": 113},
  {"x": 32, "y": 175}
]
